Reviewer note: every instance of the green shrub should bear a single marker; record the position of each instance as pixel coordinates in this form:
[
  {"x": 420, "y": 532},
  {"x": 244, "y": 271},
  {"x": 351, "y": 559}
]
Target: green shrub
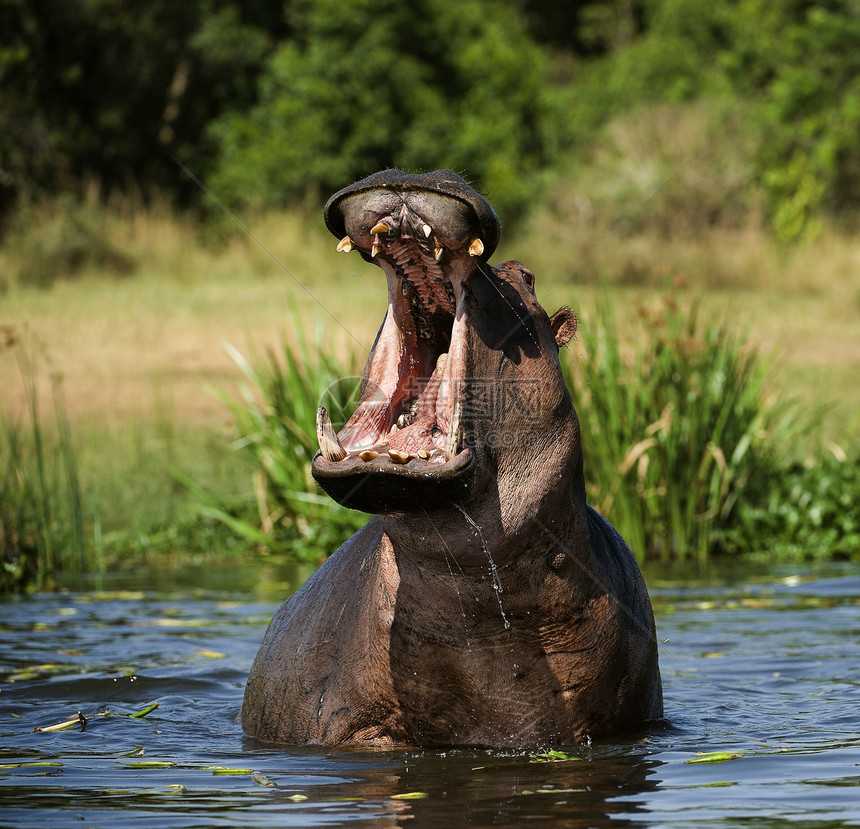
[
  {"x": 801, "y": 512},
  {"x": 792, "y": 69},
  {"x": 63, "y": 238},
  {"x": 360, "y": 87},
  {"x": 672, "y": 431}
]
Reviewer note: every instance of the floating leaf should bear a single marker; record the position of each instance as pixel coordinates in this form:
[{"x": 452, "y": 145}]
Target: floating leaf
[
  {"x": 73, "y": 720},
  {"x": 297, "y": 798},
  {"x": 409, "y": 796},
  {"x": 142, "y": 713},
  {"x": 713, "y": 757},
  {"x": 29, "y": 765},
  {"x": 552, "y": 756},
  {"x": 226, "y": 770},
  {"x": 205, "y": 652},
  {"x": 262, "y": 780},
  {"x": 149, "y": 764}
]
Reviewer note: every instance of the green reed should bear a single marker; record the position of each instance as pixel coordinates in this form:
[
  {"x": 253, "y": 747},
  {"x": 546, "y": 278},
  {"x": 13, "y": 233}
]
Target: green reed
[
  {"x": 673, "y": 428},
  {"x": 676, "y": 424},
  {"x": 41, "y": 514},
  {"x": 275, "y": 418}
]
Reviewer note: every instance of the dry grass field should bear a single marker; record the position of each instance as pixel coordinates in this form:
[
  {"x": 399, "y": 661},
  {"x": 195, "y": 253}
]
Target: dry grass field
[{"x": 145, "y": 344}]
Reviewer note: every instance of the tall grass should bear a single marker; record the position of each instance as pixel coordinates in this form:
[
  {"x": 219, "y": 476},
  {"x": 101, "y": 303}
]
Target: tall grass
[
  {"x": 41, "y": 513},
  {"x": 275, "y": 418},
  {"x": 674, "y": 428}
]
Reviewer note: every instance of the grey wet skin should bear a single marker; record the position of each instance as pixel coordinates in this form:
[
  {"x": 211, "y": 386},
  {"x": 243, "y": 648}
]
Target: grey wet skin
[
  {"x": 458, "y": 202},
  {"x": 485, "y": 604}
]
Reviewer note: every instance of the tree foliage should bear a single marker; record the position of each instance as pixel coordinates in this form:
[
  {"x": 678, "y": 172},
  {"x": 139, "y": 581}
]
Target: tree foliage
[
  {"x": 793, "y": 64},
  {"x": 269, "y": 100},
  {"x": 368, "y": 85},
  {"x": 110, "y": 89}
]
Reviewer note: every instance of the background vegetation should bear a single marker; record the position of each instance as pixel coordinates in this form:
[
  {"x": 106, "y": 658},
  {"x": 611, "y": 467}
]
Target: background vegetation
[
  {"x": 632, "y": 144},
  {"x": 273, "y": 101}
]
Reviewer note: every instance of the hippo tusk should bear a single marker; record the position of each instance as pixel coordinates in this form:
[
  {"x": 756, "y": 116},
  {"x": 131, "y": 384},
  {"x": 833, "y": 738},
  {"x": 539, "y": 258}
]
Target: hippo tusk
[
  {"x": 345, "y": 245},
  {"x": 453, "y": 433},
  {"x": 327, "y": 437},
  {"x": 382, "y": 227},
  {"x": 375, "y": 249},
  {"x": 437, "y": 254},
  {"x": 426, "y": 230}
]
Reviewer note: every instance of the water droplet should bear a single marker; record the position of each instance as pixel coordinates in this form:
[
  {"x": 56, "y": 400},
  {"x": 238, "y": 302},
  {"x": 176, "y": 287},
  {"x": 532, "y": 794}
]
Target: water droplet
[{"x": 494, "y": 572}]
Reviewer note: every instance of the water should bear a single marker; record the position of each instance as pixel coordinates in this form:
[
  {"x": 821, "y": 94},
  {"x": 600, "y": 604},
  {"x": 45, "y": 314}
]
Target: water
[
  {"x": 494, "y": 571},
  {"x": 766, "y": 668}
]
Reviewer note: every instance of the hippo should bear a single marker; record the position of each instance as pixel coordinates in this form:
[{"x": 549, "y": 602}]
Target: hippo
[{"x": 484, "y": 604}]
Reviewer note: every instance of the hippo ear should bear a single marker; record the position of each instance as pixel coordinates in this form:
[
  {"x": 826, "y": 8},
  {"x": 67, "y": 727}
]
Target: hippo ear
[{"x": 563, "y": 323}]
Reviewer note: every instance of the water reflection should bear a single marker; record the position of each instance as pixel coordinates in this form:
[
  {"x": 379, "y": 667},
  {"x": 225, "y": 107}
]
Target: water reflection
[{"x": 468, "y": 788}]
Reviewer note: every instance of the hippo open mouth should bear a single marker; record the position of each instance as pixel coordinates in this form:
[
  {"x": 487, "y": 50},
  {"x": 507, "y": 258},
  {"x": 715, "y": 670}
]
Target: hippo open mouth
[{"x": 410, "y": 431}]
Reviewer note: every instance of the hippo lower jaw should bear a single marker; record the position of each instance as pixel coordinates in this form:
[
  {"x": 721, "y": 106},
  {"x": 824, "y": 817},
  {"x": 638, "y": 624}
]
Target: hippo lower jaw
[{"x": 408, "y": 435}]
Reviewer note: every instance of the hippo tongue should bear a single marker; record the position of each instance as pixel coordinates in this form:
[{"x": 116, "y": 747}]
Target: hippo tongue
[{"x": 419, "y": 429}]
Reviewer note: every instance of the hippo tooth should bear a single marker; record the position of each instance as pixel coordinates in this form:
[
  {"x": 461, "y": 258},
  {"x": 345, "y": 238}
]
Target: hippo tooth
[
  {"x": 380, "y": 228},
  {"x": 375, "y": 249},
  {"x": 426, "y": 230},
  {"x": 437, "y": 254},
  {"x": 476, "y": 248},
  {"x": 345, "y": 245},
  {"x": 453, "y": 433},
  {"x": 327, "y": 437},
  {"x": 403, "y": 421},
  {"x": 397, "y": 456},
  {"x": 368, "y": 455},
  {"x": 423, "y": 454}
]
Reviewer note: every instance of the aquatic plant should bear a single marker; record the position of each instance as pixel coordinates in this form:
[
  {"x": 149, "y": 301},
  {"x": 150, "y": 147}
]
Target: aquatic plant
[
  {"x": 275, "y": 418},
  {"x": 673, "y": 426},
  {"x": 802, "y": 511},
  {"x": 41, "y": 517}
]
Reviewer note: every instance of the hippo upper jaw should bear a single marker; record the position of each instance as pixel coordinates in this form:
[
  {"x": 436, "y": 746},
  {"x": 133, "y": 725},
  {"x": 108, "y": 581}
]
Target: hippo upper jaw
[{"x": 409, "y": 441}]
